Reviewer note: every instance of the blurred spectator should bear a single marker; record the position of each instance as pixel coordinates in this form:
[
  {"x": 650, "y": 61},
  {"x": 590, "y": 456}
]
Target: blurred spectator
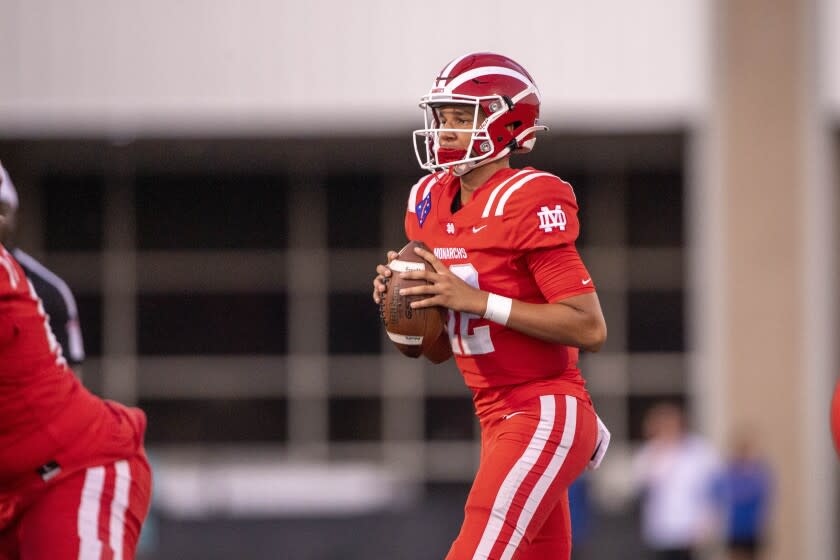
[
  {"x": 676, "y": 473},
  {"x": 59, "y": 303},
  {"x": 747, "y": 489}
]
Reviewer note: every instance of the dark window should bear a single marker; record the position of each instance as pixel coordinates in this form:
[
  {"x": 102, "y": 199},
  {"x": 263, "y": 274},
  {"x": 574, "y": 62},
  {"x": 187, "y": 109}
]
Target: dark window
[
  {"x": 190, "y": 323},
  {"x": 355, "y": 419},
  {"x": 215, "y": 420},
  {"x": 354, "y": 203},
  {"x": 449, "y": 418},
  {"x": 74, "y": 208},
  {"x": 355, "y": 326},
  {"x": 655, "y": 209},
  {"x": 211, "y": 211},
  {"x": 655, "y": 322}
]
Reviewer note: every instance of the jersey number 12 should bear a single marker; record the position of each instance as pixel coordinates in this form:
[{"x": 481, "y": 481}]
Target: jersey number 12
[{"x": 464, "y": 343}]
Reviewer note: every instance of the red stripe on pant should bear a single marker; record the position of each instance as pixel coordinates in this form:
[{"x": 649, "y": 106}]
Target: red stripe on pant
[
  {"x": 529, "y": 485},
  {"x": 106, "y": 540},
  {"x": 518, "y": 508},
  {"x": 93, "y": 514},
  {"x": 105, "y": 502}
]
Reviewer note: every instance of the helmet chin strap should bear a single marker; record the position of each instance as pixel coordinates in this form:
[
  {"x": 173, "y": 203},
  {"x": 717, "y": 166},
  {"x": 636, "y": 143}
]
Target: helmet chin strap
[{"x": 463, "y": 168}]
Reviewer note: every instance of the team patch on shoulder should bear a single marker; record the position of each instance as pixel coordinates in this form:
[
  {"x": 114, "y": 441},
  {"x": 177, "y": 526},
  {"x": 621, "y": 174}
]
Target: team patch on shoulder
[
  {"x": 551, "y": 219},
  {"x": 423, "y": 208}
]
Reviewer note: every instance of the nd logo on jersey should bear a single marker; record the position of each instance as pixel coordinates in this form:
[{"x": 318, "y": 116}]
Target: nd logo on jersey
[{"x": 550, "y": 219}]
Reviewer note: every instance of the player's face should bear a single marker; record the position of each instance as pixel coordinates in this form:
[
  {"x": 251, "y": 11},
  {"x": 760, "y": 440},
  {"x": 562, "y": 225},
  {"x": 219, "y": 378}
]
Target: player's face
[{"x": 457, "y": 117}]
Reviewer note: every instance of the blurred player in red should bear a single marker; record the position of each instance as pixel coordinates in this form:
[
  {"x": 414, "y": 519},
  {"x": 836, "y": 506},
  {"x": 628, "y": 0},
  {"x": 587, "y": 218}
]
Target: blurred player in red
[
  {"x": 521, "y": 305},
  {"x": 74, "y": 480},
  {"x": 55, "y": 295}
]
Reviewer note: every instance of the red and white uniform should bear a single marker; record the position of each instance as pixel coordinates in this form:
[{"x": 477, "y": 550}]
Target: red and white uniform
[
  {"x": 515, "y": 238},
  {"x": 74, "y": 480}
]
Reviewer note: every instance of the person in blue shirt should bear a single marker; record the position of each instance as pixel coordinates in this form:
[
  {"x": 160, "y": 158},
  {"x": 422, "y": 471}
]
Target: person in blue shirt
[
  {"x": 747, "y": 485},
  {"x": 580, "y": 513}
]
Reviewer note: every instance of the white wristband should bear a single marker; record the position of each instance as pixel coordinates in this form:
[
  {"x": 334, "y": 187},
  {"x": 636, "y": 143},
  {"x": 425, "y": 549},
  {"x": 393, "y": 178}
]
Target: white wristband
[{"x": 498, "y": 309}]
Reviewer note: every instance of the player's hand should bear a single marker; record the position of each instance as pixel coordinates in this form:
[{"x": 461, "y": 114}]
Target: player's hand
[
  {"x": 380, "y": 281},
  {"x": 444, "y": 289}
]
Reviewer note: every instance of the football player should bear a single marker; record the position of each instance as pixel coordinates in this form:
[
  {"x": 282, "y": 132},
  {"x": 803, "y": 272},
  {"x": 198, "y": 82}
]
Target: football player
[
  {"x": 520, "y": 304},
  {"x": 74, "y": 479},
  {"x": 58, "y": 300}
]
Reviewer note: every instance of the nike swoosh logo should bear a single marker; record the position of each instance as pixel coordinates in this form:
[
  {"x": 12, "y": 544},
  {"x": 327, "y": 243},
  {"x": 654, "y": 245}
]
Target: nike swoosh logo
[
  {"x": 585, "y": 282},
  {"x": 477, "y": 229},
  {"x": 512, "y": 414}
]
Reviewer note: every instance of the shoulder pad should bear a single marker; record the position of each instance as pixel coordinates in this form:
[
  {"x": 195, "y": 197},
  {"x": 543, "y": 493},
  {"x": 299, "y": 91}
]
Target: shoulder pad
[
  {"x": 420, "y": 189},
  {"x": 542, "y": 213},
  {"x": 539, "y": 184}
]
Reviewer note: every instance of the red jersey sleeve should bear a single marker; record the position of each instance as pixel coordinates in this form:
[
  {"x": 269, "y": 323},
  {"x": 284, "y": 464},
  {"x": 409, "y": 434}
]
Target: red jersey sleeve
[
  {"x": 559, "y": 272},
  {"x": 543, "y": 214},
  {"x": 543, "y": 218}
]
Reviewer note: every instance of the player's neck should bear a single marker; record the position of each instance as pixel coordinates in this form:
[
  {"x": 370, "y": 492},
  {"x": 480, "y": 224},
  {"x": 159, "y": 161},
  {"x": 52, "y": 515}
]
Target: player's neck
[{"x": 477, "y": 177}]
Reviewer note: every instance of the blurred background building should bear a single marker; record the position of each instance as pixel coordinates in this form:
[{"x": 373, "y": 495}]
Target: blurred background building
[{"x": 217, "y": 181}]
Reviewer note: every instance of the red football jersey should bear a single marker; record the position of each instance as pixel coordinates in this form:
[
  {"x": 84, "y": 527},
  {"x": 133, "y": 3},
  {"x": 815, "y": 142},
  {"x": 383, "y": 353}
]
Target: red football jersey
[
  {"x": 46, "y": 415},
  {"x": 515, "y": 238}
]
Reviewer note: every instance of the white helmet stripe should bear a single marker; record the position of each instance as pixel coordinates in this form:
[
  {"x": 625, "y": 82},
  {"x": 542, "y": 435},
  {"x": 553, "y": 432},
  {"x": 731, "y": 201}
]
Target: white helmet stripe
[
  {"x": 445, "y": 73},
  {"x": 525, "y": 93},
  {"x": 486, "y": 71}
]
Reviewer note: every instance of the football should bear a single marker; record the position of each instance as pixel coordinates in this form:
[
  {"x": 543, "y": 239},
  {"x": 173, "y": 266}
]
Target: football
[
  {"x": 440, "y": 350},
  {"x": 411, "y": 330},
  {"x": 835, "y": 417}
]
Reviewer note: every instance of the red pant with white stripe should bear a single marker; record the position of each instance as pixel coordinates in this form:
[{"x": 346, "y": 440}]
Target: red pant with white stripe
[
  {"x": 93, "y": 514},
  {"x": 518, "y": 508}
]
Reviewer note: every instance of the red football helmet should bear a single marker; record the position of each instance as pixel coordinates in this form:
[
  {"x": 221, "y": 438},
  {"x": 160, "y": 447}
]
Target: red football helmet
[{"x": 506, "y": 94}]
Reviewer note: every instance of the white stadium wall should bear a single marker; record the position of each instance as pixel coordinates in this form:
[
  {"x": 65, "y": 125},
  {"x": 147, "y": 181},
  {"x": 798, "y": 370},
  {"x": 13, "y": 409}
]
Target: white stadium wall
[{"x": 317, "y": 67}]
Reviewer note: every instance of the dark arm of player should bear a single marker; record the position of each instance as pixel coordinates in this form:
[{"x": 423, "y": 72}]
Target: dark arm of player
[{"x": 575, "y": 321}]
